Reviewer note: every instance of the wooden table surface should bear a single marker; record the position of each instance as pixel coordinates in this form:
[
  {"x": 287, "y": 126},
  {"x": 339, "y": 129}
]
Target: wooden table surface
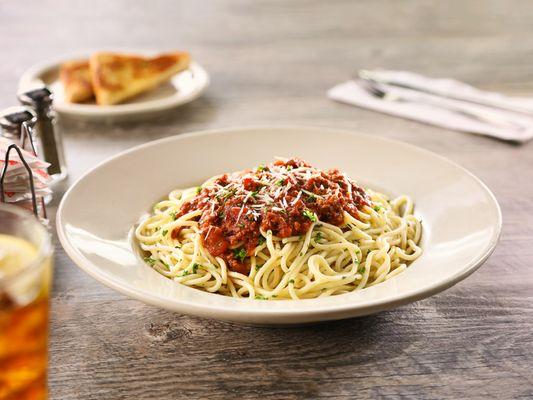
[{"x": 272, "y": 62}]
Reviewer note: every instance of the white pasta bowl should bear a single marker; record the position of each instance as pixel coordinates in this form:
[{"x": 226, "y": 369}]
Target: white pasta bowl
[{"x": 96, "y": 218}]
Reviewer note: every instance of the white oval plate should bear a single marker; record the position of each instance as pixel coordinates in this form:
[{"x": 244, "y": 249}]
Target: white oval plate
[
  {"x": 461, "y": 218},
  {"x": 182, "y": 88}
]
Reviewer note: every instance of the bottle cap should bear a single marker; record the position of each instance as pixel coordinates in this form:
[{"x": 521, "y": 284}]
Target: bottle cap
[
  {"x": 12, "y": 118},
  {"x": 39, "y": 97}
]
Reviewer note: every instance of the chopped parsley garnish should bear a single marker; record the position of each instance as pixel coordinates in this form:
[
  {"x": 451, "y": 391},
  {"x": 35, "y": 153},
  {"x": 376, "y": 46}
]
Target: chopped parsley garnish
[
  {"x": 261, "y": 168},
  {"x": 258, "y": 267},
  {"x": 164, "y": 233},
  {"x": 311, "y": 198},
  {"x": 228, "y": 193},
  {"x": 291, "y": 281},
  {"x": 377, "y": 208},
  {"x": 149, "y": 260},
  {"x": 239, "y": 254},
  {"x": 195, "y": 268},
  {"x": 261, "y": 239},
  {"x": 174, "y": 215},
  {"x": 361, "y": 270},
  {"x": 185, "y": 273},
  {"x": 318, "y": 237},
  {"x": 198, "y": 189},
  {"x": 259, "y": 297},
  {"x": 255, "y": 193},
  {"x": 310, "y": 214},
  {"x": 178, "y": 246},
  {"x": 280, "y": 182},
  {"x": 289, "y": 167}
]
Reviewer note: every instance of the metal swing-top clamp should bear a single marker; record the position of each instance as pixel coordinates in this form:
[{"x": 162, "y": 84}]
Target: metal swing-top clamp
[{"x": 17, "y": 125}]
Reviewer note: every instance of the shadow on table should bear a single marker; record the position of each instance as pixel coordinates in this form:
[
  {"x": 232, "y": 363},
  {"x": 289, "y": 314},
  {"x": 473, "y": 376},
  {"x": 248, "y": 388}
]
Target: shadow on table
[
  {"x": 310, "y": 361},
  {"x": 353, "y": 341},
  {"x": 189, "y": 116}
]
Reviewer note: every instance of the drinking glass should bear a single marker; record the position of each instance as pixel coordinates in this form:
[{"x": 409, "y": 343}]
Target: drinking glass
[{"x": 25, "y": 278}]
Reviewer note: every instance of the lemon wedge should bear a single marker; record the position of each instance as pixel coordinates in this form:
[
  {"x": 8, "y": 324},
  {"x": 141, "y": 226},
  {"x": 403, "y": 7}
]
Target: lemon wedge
[{"x": 15, "y": 254}]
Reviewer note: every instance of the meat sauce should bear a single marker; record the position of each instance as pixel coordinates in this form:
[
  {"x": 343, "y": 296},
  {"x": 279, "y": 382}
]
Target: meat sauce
[{"x": 285, "y": 197}]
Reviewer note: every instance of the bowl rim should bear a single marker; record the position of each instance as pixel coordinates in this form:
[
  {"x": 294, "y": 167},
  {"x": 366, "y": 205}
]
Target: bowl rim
[{"x": 185, "y": 306}]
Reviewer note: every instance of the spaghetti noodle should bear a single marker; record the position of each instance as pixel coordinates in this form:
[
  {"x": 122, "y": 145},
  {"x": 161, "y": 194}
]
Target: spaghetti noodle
[{"x": 282, "y": 231}]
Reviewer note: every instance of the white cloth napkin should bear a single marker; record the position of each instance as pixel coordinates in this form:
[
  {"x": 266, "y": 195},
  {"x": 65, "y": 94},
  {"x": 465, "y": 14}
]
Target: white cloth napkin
[{"x": 442, "y": 102}]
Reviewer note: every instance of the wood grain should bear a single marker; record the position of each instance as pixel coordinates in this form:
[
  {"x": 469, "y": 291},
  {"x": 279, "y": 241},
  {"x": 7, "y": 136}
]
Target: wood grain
[{"x": 271, "y": 62}]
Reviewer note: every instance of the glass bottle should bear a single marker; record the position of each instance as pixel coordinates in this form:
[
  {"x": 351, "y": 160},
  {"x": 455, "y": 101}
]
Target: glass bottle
[{"x": 40, "y": 99}]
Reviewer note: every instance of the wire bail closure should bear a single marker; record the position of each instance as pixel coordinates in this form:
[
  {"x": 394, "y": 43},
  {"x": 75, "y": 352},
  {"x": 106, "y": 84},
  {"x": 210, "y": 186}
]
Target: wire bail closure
[{"x": 26, "y": 141}]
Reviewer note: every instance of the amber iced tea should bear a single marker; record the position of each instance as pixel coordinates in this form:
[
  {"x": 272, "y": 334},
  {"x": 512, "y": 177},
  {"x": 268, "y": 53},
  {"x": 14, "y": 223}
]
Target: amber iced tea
[
  {"x": 25, "y": 271},
  {"x": 23, "y": 351}
]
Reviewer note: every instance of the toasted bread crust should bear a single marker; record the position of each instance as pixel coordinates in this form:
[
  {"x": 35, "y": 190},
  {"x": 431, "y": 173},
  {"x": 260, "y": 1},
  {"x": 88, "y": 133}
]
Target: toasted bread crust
[
  {"x": 76, "y": 79},
  {"x": 117, "y": 77}
]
